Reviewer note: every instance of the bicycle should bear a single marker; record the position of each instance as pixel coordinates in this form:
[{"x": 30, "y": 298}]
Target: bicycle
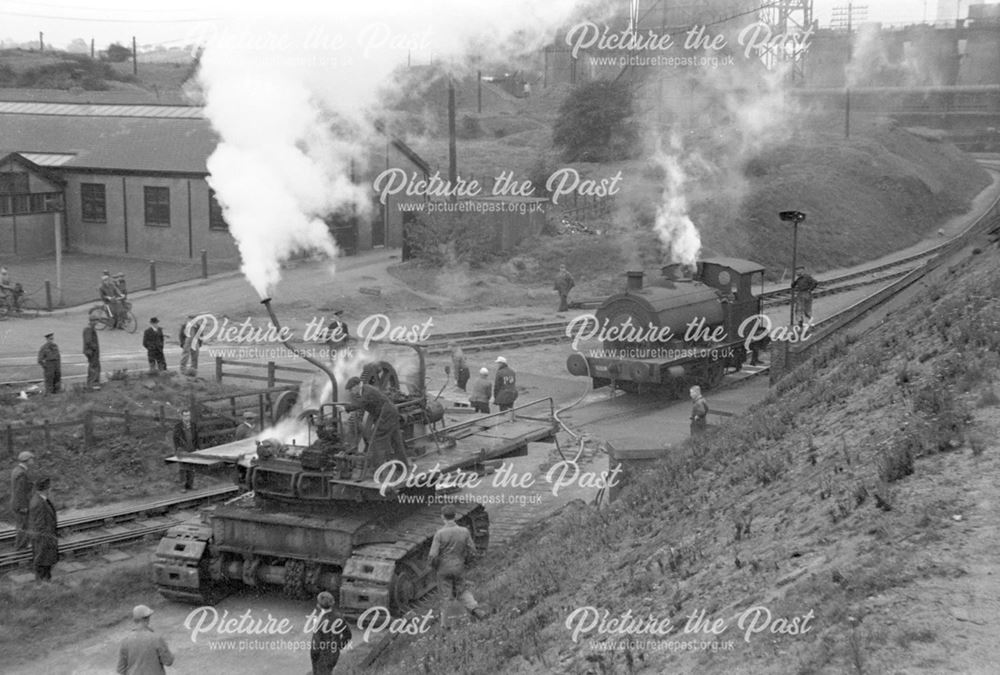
[
  {"x": 26, "y": 308},
  {"x": 104, "y": 319}
]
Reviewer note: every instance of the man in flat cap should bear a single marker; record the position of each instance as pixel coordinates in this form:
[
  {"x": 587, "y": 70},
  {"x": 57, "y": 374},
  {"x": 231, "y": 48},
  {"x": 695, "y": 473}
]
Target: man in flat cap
[
  {"x": 247, "y": 428},
  {"x": 111, "y": 296},
  {"x": 143, "y": 652},
  {"x": 21, "y": 487},
  {"x": 337, "y": 335},
  {"x": 331, "y": 636},
  {"x": 152, "y": 341},
  {"x": 92, "y": 350},
  {"x": 42, "y": 525},
  {"x": 51, "y": 363}
]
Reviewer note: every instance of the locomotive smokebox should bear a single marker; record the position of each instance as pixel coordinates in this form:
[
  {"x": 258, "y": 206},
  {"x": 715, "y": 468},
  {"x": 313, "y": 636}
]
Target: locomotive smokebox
[{"x": 634, "y": 280}]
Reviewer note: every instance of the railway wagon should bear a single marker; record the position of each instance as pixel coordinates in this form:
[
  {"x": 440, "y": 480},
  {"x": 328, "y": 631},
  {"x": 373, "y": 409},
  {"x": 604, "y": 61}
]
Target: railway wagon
[{"x": 679, "y": 330}]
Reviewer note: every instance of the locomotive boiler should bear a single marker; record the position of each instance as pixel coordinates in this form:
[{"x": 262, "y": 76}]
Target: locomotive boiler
[{"x": 679, "y": 330}]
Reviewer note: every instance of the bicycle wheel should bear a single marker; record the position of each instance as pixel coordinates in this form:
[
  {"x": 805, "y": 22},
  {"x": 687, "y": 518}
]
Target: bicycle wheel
[
  {"x": 29, "y": 308},
  {"x": 97, "y": 313},
  {"x": 129, "y": 324}
]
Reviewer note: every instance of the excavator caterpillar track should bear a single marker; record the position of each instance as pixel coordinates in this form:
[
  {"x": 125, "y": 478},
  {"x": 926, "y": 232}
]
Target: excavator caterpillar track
[
  {"x": 397, "y": 575},
  {"x": 181, "y": 568}
]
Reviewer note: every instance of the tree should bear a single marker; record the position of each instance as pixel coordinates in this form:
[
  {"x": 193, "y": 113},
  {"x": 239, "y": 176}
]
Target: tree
[
  {"x": 118, "y": 53},
  {"x": 595, "y": 123},
  {"x": 78, "y": 46}
]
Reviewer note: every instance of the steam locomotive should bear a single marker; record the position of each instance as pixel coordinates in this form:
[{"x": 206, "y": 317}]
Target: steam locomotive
[{"x": 680, "y": 330}]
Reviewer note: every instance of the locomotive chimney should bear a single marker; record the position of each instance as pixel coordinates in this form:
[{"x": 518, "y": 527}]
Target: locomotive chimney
[{"x": 634, "y": 281}]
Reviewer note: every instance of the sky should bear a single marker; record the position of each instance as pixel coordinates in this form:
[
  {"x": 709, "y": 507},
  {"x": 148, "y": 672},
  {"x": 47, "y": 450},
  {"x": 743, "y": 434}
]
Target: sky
[{"x": 183, "y": 22}]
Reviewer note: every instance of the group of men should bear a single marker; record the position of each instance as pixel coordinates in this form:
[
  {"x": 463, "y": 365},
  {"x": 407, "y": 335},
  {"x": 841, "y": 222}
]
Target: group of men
[
  {"x": 153, "y": 338},
  {"x": 503, "y": 388},
  {"x": 35, "y": 520}
]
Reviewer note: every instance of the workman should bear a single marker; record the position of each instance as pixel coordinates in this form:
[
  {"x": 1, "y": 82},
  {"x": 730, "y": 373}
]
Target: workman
[{"x": 387, "y": 435}]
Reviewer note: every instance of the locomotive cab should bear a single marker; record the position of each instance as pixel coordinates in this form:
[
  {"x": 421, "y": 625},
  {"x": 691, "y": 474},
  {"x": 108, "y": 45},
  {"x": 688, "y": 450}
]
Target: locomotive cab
[{"x": 734, "y": 279}]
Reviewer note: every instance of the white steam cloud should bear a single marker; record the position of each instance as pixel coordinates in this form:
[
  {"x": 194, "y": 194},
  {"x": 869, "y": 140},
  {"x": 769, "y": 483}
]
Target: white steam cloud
[
  {"x": 293, "y": 102},
  {"x": 673, "y": 225}
]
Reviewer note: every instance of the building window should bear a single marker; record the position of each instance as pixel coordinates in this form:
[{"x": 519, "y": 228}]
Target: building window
[
  {"x": 215, "y": 219},
  {"x": 13, "y": 182},
  {"x": 94, "y": 206},
  {"x": 157, "y": 203}
]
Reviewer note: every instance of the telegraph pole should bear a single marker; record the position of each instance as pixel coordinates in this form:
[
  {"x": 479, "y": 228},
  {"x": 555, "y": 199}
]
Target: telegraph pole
[{"x": 452, "y": 154}]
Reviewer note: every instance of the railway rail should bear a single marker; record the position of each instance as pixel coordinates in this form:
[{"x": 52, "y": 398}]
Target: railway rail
[
  {"x": 523, "y": 335},
  {"x": 117, "y": 524}
]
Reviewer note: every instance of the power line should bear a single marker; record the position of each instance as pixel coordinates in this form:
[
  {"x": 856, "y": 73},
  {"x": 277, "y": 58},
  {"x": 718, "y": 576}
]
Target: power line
[
  {"x": 91, "y": 19},
  {"x": 101, "y": 9}
]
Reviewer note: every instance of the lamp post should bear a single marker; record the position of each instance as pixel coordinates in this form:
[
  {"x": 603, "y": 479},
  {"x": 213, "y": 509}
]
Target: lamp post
[{"x": 793, "y": 217}]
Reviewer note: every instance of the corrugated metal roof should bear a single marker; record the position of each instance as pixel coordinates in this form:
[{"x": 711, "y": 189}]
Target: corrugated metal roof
[
  {"x": 90, "y": 110},
  {"x": 47, "y": 158},
  {"x": 113, "y": 143}
]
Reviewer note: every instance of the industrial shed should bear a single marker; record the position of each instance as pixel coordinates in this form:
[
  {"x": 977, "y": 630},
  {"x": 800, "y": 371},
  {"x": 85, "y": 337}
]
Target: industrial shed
[{"x": 131, "y": 180}]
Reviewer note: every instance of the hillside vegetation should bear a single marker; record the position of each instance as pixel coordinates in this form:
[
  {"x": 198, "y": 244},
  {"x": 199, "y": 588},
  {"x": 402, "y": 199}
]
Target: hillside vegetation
[
  {"x": 855, "y": 506},
  {"x": 56, "y": 76}
]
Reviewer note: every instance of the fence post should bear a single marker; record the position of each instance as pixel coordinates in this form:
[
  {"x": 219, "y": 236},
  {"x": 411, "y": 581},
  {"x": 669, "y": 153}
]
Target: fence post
[
  {"x": 152, "y": 275},
  {"x": 270, "y": 374},
  {"x": 204, "y": 264},
  {"x": 48, "y": 295},
  {"x": 88, "y": 429},
  {"x": 218, "y": 369}
]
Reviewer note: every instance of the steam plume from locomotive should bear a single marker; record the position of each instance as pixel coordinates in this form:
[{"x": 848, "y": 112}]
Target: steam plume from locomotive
[{"x": 673, "y": 224}]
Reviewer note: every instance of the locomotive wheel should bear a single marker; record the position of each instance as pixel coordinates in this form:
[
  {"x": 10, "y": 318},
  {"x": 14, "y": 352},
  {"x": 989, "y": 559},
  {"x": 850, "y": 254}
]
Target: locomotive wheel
[
  {"x": 380, "y": 374},
  {"x": 405, "y": 588}
]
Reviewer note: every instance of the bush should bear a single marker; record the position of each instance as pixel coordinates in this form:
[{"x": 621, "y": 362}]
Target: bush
[
  {"x": 896, "y": 461},
  {"x": 448, "y": 238},
  {"x": 595, "y": 123},
  {"x": 117, "y": 53}
]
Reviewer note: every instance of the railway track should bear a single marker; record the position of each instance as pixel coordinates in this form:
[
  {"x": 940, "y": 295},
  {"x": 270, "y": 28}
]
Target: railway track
[
  {"x": 523, "y": 335},
  {"x": 116, "y": 524}
]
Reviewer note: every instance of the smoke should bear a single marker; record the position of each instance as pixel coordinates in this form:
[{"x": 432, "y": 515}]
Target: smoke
[
  {"x": 295, "y": 104},
  {"x": 707, "y": 126},
  {"x": 672, "y": 224},
  {"x": 317, "y": 390}
]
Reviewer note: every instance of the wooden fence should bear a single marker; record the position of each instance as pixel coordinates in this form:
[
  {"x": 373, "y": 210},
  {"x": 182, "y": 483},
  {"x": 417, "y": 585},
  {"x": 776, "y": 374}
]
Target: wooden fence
[
  {"x": 270, "y": 374},
  {"x": 214, "y": 425},
  {"x": 128, "y": 421},
  {"x": 587, "y": 207}
]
